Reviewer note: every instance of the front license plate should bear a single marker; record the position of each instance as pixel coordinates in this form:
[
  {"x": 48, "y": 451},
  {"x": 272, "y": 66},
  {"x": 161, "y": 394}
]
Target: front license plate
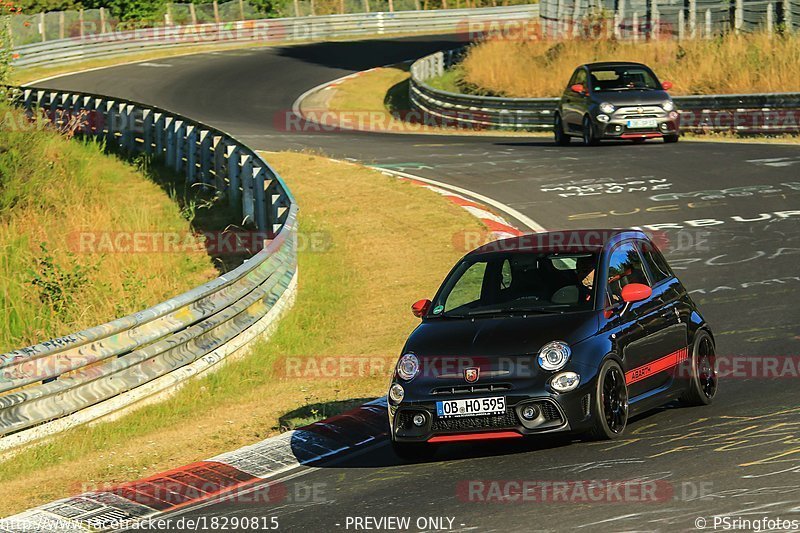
[
  {"x": 642, "y": 123},
  {"x": 471, "y": 407}
]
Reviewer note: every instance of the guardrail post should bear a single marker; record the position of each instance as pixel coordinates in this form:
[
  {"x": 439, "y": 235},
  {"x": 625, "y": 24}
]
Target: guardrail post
[
  {"x": 708, "y": 24},
  {"x": 655, "y": 20},
  {"x": 738, "y": 19},
  {"x": 205, "y": 158},
  {"x": 180, "y": 144},
  {"x": 220, "y": 164},
  {"x": 620, "y": 20},
  {"x": 234, "y": 194},
  {"x": 191, "y": 154},
  {"x": 248, "y": 214},
  {"x": 770, "y": 18},
  {"x": 147, "y": 131},
  {"x": 576, "y": 19},
  {"x": 111, "y": 124},
  {"x": 103, "y": 20},
  {"x": 42, "y": 30},
  {"x": 127, "y": 127},
  {"x": 171, "y": 141},
  {"x": 160, "y": 132},
  {"x": 560, "y": 8},
  {"x": 692, "y": 19},
  {"x": 681, "y": 25},
  {"x": 81, "y": 28},
  {"x": 260, "y": 197},
  {"x": 787, "y": 16},
  {"x": 635, "y": 24}
]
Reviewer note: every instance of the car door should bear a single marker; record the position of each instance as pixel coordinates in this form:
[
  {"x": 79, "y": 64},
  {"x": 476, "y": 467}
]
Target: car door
[
  {"x": 574, "y": 104},
  {"x": 647, "y": 337}
]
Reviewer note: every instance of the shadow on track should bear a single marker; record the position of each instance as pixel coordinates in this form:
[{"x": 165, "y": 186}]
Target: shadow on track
[{"x": 362, "y": 55}]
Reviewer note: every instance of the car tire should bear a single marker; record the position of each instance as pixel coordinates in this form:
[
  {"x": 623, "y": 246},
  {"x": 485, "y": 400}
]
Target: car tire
[
  {"x": 610, "y": 402},
  {"x": 414, "y": 451},
  {"x": 671, "y": 138},
  {"x": 703, "y": 382},
  {"x": 589, "y": 134},
  {"x": 561, "y": 138}
]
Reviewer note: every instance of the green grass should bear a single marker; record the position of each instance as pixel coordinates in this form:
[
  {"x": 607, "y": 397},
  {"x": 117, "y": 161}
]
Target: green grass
[{"x": 52, "y": 190}]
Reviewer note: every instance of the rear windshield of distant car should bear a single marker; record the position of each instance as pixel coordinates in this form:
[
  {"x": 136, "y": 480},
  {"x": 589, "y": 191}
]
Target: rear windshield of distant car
[{"x": 622, "y": 79}]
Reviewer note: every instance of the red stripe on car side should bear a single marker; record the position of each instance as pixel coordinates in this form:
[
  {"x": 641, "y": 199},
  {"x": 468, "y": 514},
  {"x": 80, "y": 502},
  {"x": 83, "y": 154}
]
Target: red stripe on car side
[{"x": 659, "y": 365}]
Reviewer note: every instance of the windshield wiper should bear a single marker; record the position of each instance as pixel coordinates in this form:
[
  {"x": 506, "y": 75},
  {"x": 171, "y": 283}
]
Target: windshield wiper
[{"x": 512, "y": 310}]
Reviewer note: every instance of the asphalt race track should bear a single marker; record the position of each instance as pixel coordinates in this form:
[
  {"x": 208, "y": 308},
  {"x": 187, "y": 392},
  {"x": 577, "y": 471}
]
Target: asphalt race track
[{"x": 730, "y": 212}]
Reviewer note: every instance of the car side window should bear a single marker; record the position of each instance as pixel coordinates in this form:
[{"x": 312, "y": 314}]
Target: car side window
[
  {"x": 580, "y": 77},
  {"x": 624, "y": 267},
  {"x": 469, "y": 287},
  {"x": 656, "y": 264}
]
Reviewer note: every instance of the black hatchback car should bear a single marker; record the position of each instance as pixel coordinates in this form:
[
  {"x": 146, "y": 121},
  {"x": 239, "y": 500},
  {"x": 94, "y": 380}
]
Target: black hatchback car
[
  {"x": 551, "y": 332},
  {"x": 615, "y": 100}
]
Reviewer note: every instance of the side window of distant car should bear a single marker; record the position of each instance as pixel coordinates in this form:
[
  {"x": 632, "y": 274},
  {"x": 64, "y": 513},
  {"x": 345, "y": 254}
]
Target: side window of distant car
[
  {"x": 468, "y": 288},
  {"x": 624, "y": 267},
  {"x": 656, "y": 264},
  {"x": 580, "y": 77}
]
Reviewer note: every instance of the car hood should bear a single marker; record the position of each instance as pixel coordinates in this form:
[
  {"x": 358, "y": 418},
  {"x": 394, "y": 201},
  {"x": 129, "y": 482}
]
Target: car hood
[
  {"x": 498, "y": 336},
  {"x": 624, "y": 98}
]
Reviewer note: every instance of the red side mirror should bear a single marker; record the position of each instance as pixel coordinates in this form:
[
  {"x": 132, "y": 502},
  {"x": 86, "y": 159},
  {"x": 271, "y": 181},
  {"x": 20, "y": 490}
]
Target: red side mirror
[
  {"x": 667, "y": 85},
  {"x": 420, "y": 308},
  {"x": 578, "y": 88},
  {"x": 635, "y": 292}
]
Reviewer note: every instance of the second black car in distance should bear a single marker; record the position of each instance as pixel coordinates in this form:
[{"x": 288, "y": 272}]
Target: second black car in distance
[
  {"x": 553, "y": 332},
  {"x": 615, "y": 100}
]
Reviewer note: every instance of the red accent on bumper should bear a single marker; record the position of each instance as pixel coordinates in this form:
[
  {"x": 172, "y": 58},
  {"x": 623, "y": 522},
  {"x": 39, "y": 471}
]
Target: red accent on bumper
[
  {"x": 460, "y": 437},
  {"x": 640, "y": 135}
]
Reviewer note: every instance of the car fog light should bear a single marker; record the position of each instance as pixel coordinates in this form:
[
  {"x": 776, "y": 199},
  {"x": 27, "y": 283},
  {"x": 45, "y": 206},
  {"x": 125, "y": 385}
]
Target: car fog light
[
  {"x": 565, "y": 382},
  {"x": 617, "y": 128},
  {"x": 664, "y": 126},
  {"x": 419, "y": 420},
  {"x": 396, "y": 393},
  {"x": 603, "y": 118},
  {"x": 529, "y": 412}
]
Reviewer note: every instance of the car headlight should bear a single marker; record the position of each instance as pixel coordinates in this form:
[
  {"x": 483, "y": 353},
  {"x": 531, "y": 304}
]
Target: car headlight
[
  {"x": 607, "y": 108},
  {"x": 408, "y": 367},
  {"x": 565, "y": 381},
  {"x": 396, "y": 393},
  {"x": 668, "y": 105},
  {"x": 554, "y": 355}
]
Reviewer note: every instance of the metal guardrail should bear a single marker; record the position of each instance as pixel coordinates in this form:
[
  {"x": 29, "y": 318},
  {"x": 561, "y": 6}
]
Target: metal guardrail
[
  {"x": 743, "y": 113},
  {"x": 154, "y": 349},
  {"x": 266, "y": 31}
]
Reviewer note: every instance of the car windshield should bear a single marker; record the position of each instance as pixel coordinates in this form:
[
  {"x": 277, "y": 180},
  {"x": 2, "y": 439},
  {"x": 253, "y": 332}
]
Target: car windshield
[
  {"x": 519, "y": 282},
  {"x": 622, "y": 79}
]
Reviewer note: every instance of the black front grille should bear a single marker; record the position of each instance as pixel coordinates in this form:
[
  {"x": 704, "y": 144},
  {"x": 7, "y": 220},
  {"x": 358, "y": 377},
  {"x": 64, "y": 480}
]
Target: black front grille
[{"x": 507, "y": 420}]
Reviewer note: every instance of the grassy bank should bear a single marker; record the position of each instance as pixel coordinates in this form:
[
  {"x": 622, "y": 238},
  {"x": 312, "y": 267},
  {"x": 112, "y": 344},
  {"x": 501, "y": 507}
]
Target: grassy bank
[
  {"x": 53, "y": 192},
  {"x": 746, "y": 63},
  {"x": 353, "y": 300}
]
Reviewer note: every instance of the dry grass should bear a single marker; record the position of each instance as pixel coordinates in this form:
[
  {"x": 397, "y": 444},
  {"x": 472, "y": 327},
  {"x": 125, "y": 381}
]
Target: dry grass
[
  {"x": 746, "y": 63},
  {"x": 353, "y": 300},
  {"x": 377, "y": 100},
  {"x": 52, "y": 190}
]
